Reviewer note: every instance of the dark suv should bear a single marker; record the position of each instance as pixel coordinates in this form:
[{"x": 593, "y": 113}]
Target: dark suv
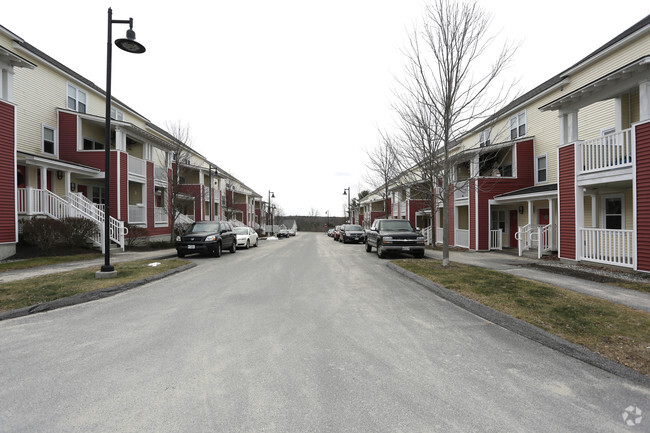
[
  {"x": 207, "y": 237},
  {"x": 352, "y": 233},
  {"x": 394, "y": 236}
]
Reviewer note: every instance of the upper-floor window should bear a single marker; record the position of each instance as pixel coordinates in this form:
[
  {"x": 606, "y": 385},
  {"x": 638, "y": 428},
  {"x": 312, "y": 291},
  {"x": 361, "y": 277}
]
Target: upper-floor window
[
  {"x": 518, "y": 125},
  {"x": 542, "y": 174},
  {"x": 484, "y": 137},
  {"x": 49, "y": 141},
  {"x": 117, "y": 114},
  {"x": 77, "y": 99}
]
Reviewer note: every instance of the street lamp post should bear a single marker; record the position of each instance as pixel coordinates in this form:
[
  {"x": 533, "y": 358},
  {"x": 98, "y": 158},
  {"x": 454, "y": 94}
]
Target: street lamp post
[
  {"x": 129, "y": 45},
  {"x": 271, "y": 195},
  {"x": 346, "y": 191}
]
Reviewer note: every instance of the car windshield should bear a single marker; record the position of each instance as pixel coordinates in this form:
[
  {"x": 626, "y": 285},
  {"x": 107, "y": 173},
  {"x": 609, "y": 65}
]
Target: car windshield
[
  {"x": 354, "y": 228},
  {"x": 241, "y": 230},
  {"x": 397, "y": 226},
  {"x": 202, "y": 227}
]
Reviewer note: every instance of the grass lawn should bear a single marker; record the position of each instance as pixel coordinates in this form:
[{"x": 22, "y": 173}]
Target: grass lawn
[
  {"x": 32, "y": 291},
  {"x": 615, "y": 331},
  {"x": 44, "y": 261}
]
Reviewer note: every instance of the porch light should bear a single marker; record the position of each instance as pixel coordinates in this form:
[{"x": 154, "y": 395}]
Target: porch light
[{"x": 129, "y": 45}]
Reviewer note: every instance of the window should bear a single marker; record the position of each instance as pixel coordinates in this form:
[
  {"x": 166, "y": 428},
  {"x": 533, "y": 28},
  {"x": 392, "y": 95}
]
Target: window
[
  {"x": 613, "y": 207},
  {"x": 117, "y": 114},
  {"x": 98, "y": 195},
  {"x": 77, "y": 99},
  {"x": 49, "y": 145},
  {"x": 484, "y": 138},
  {"x": 499, "y": 220},
  {"x": 541, "y": 169},
  {"x": 518, "y": 125},
  {"x": 92, "y": 144}
]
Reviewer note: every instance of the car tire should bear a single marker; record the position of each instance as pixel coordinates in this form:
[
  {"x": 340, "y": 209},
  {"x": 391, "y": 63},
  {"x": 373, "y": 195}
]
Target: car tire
[
  {"x": 180, "y": 255},
  {"x": 217, "y": 250},
  {"x": 418, "y": 254},
  {"x": 368, "y": 247},
  {"x": 233, "y": 248},
  {"x": 380, "y": 252},
  {"x": 248, "y": 244},
  {"x": 256, "y": 241}
]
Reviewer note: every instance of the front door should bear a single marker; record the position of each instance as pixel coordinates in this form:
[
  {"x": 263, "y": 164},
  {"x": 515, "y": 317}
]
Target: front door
[
  {"x": 543, "y": 217},
  {"x": 514, "y": 226}
]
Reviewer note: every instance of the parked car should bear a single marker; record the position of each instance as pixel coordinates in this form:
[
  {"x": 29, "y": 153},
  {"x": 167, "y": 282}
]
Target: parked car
[
  {"x": 330, "y": 233},
  {"x": 352, "y": 233},
  {"x": 207, "y": 237},
  {"x": 335, "y": 235},
  {"x": 292, "y": 232},
  {"x": 246, "y": 237},
  {"x": 398, "y": 236},
  {"x": 284, "y": 233}
]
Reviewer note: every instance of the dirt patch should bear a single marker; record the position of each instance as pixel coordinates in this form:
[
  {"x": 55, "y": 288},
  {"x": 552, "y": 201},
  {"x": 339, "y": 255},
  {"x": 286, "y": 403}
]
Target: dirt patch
[{"x": 590, "y": 273}]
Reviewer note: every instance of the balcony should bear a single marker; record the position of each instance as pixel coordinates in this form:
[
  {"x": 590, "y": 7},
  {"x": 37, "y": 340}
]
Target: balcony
[
  {"x": 137, "y": 167},
  {"x": 605, "y": 157},
  {"x": 137, "y": 214},
  {"x": 612, "y": 247},
  {"x": 461, "y": 191}
]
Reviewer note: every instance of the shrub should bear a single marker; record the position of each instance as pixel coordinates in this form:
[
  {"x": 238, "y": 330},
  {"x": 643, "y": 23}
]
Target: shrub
[
  {"x": 137, "y": 236},
  {"x": 78, "y": 231},
  {"x": 43, "y": 233}
]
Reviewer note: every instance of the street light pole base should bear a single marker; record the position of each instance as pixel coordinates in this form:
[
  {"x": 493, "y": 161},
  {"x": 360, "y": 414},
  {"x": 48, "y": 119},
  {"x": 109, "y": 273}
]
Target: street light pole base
[{"x": 106, "y": 272}]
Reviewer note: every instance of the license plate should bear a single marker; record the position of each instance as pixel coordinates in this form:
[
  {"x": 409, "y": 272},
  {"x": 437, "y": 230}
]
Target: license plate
[
  {"x": 406, "y": 249},
  {"x": 191, "y": 247}
]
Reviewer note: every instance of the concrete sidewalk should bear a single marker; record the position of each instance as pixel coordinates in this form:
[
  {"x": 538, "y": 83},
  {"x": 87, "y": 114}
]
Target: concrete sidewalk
[
  {"x": 519, "y": 266},
  {"x": 116, "y": 257}
]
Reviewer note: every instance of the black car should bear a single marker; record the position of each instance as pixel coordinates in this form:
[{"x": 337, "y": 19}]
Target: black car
[
  {"x": 283, "y": 233},
  {"x": 396, "y": 236},
  {"x": 207, "y": 237},
  {"x": 352, "y": 233}
]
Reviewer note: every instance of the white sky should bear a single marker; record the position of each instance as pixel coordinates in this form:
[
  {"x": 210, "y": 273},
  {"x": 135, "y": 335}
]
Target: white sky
[{"x": 288, "y": 95}]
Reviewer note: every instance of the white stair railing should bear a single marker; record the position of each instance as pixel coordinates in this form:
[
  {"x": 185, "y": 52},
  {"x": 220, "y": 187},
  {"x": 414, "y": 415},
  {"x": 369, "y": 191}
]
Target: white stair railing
[
  {"x": 544, "y": 239},
  {"x": 95, "y": 212},
  {"x": 524, "y": 238}
]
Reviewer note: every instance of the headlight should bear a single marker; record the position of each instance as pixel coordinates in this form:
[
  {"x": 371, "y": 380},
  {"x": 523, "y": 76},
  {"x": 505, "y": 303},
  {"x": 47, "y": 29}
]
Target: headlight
[
  {"x": 387, "y": 240},
  {"x": 420, "y": 239},
  {"x": 178, "y": 238},
  {"x": 211, "y": 238}
]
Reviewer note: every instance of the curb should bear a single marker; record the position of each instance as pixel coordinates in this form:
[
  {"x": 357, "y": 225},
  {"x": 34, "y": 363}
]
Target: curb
[
  {"x": 81, "y": 298},
  {"x": 526, "y": 330}
]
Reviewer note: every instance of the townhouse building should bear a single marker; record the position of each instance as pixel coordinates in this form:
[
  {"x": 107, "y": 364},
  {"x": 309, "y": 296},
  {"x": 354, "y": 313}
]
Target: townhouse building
[
  {"x": 562, "y": 168},
  {"x": 52, "y": 151}
]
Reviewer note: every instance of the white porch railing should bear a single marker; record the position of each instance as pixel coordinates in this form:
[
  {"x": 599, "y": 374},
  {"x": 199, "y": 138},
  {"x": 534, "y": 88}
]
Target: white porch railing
[
  {"x": 183, "y": 219},
  {"x": 160, "y": 215},
  {"x": 462, "y": 238},
  {"x": 496, "y": 239},
  {"x": 462, "y": 190},
  {"x": 523, "y": 237},
  {"x": 614, "y": 247},
  {"x": 160, "y": 174},
  {"x": 137, "y": 166},
  {"x": 137, "y": 214},
  {"x": 439, "y": 233},
  {"x": 43, "y": 202},
  {"x": 427, "y": 232},
  {"x": 606, "y": 152}
]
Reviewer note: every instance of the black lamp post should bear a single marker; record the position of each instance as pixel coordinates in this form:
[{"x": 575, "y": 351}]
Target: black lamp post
[
  {"x": 129, "y": 45},
  {"x": 271, "y": 195},
  {"x": 346, "y": 191}
]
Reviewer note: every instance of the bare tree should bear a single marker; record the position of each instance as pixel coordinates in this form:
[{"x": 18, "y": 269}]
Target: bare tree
[
  {"x": 313, "y": 212},
  {"x": 382, "y": 164},
  {"x": 448, "y": 89},
  {"x": 181, "y": 155}
]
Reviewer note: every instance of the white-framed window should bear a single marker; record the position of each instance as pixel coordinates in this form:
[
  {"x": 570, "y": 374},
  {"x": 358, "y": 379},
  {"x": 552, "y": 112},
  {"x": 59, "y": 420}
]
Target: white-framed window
[
  {"x": 90, "y": 144},
  {"x": 614, "y": 212},
  {"x": 49, "y": 140},
  {"x": 484, "y": 137},
  {"x": 97, "y": 194},
  {"x": 518, "y": 125},
  {"x": 541, "y": 169},
  {"x": 117, "y": 114},
  {"x": 77, "y": 99},
  {"x": 499, "y": 220}
]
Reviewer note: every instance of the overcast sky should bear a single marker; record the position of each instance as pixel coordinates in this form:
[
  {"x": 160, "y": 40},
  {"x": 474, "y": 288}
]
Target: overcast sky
[{"x": 288, "y": 95}]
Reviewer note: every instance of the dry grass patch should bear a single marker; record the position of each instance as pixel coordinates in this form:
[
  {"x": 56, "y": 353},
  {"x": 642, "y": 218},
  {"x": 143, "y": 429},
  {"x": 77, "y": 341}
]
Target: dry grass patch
[
  {"x": 32, "y": 291},
  {"x": 615, "y": 331}
]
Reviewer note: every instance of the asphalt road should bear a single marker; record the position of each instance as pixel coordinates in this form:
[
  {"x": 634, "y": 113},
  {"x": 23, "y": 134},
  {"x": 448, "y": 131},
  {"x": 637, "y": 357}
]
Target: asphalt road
[{"x": 298, "y": 335}]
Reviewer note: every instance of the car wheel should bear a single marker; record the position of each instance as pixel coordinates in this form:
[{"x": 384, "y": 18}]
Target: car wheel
[
  {"x": 418, "y": 254},
  {"x": 179, "y": 254},
  {"x": 248, "y": 244},
  {"x": 233, "y": 247},
  {"x": 368, "y": 247},
  {"x": 217, "y": 250},
  {"x": 380, "y": 252},
  {"x": 256, "y": 241}
]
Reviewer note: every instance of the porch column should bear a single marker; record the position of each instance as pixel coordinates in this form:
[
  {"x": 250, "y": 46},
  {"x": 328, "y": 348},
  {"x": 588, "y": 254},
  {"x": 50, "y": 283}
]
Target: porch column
[
  {"x": 644, "y": 100},
  {"x": 120, "y": 140},
  {"x": 551, "y": 221},
  {"x": 68, "y": 178},
  {"x": 43, "y": 184},
  {"x": 568, "y": 126},
  {"x": 530, "y": 212}
]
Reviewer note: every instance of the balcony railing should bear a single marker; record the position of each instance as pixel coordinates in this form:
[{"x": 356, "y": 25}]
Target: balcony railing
[
  {"x": 462, "y": 190},
  {"x": 160, "y": 215},
  {"x": 607, "y": 152},
  {"x": 462, "y": 238},
  {"x": 137, "y": 166},
  {"x": 614, "y": 247},
  {"x": 137, "y": 214},
  {"x": 160, "y": 174}
]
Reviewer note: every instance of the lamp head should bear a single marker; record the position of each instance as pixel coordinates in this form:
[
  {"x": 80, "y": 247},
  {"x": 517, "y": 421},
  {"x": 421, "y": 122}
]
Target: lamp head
[{"x": 129, "y": 44}]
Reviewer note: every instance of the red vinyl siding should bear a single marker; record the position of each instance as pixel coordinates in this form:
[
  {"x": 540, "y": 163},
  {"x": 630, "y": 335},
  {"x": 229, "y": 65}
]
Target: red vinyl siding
[
  {"x": 7, "y": 173},
  {"x": 416, "y": 206},
  {"x": 643, "y": 196},
  {"x": 567, "y": 202}
]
